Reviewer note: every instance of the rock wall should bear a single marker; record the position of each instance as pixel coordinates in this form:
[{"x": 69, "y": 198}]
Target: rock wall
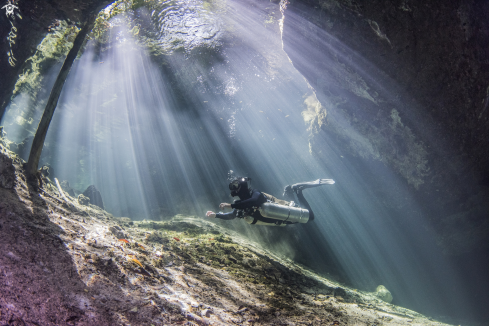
[{"x": 404, "y": 83}]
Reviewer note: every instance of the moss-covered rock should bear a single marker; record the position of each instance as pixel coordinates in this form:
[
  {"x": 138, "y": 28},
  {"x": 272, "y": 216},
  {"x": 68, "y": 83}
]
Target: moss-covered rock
[
  {"x": 83, "y": 200},
  {"x": 7, "y": 172},
  {"x": 383, "y": 293}
]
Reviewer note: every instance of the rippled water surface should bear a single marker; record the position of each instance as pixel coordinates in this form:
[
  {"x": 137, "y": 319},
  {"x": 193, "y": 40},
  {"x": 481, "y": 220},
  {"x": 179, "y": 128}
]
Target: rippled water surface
[{"x": 186, "y": 24}]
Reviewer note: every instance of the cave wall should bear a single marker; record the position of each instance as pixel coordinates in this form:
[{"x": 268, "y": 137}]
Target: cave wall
[{"x": 405, "y": 83}]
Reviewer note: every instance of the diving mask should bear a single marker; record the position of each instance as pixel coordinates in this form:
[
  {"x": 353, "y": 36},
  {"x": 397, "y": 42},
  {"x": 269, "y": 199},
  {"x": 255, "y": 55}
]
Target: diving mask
[
  {"x": 238, "y": 182},
  {"x": 234, "y": 185}
]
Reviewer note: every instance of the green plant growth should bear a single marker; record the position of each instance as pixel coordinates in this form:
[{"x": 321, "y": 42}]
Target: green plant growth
[
  {"x": 53, "y": 48},
  {"x": 185, "y": 244}
]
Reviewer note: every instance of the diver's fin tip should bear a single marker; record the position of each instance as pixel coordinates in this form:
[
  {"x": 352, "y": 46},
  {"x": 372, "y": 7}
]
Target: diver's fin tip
[
  {"x": 310, "y": 184},
  {"x": 327, "y": 181}
]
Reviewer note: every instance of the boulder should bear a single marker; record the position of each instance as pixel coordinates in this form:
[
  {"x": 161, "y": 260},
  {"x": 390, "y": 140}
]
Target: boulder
[
  {"x": 65, "y": 185},
  {"x": 117, "y": 232},
  {"x": 123, "y": 219},
  {"x": 4, "y": 142},
  {"x": 7, "y": 172},
  {"x": 95, "y": 197},
  {"x": 382, "y": 293},
  {"x": 83, "y": 200}
]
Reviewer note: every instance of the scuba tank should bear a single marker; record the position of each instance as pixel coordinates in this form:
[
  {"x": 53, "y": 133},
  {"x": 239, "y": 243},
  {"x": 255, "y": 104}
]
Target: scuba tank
[
  {"x": 254, "y": 221},
  {"x": 284, "y": 213}
]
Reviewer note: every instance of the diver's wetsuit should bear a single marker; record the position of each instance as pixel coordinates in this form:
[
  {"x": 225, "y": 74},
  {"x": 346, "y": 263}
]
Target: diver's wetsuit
[
  {"x": 256, "y": 199},
  {"x": 248, "y": 206}
]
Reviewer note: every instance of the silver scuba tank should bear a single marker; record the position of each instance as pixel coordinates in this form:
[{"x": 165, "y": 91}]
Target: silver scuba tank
[
  {"x": 284, "y": 213},
  {"x": 251, "y": 220}
]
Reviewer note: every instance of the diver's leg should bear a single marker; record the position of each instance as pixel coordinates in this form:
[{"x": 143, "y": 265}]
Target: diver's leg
[
  {"x": 288, "y": 193},
  {"x": 305, "y": 204},
  {"x": 312, "y": 184}
]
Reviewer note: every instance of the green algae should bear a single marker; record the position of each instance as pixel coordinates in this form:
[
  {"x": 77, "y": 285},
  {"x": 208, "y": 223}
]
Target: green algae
[
  {"x": 53, "y": 48},
  {"x": 183, "y": 243}
]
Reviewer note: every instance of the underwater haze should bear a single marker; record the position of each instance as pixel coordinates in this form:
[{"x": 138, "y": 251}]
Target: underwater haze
[{"x": 176, "y": 94}]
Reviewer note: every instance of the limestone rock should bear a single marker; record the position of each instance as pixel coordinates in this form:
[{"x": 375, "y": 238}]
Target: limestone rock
[
  {"x": 7, "y": 172},
  {"x": 83, "y": 200},
  {"x": 123, "y": 219},
  {"x": 3, "y": 139},
  {"x": 206, "y": 313},
  {"x": 382, "y": 293},
  {"x": 155, "y": 237},
  {"x": 65, "y": 185},
  {"x": 95, "y": 197},
  {"x": 45, "y": 170},
  {"x": 23, "y": 148},
  {"x": 117, "y": 232}
]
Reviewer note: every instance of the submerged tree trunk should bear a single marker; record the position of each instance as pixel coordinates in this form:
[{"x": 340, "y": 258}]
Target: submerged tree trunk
[{"x": 42, "y": 129}]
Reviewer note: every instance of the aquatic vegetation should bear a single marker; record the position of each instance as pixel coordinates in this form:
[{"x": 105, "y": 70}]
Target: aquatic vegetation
[
  {"x": 83, "y": 200},
  {"x": 53, "y": 48},
  {"x": 211, "y": 275},
  {"x": 384, "y": 294},
  {"x": 7, "y": 172}
]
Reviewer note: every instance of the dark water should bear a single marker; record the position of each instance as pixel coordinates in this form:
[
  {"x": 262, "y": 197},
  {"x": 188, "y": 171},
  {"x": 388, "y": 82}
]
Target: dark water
[{"x": 156, "y": 118}]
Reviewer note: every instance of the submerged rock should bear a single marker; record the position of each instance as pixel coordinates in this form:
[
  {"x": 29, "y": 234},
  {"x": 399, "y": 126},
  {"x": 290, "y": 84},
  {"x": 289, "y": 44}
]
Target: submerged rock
[
  {"x": 95, "y": 197},
  {"x": 7, "y": 172},
  {"x": 117, "y": 231},
  {"x": 83, "y": 200},
  {"x": 183, "y": 271},
  {"x": 382, "y": 293},
  {"x": 65, "y": 185}
]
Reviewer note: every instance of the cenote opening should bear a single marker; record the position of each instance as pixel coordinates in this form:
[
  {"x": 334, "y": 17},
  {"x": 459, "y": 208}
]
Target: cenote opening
[{"x": 166, "y": 98}]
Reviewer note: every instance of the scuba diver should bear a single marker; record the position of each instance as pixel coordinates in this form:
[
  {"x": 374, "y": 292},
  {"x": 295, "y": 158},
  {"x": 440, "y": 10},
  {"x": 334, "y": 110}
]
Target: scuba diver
[{"x": 259, "y": 208}]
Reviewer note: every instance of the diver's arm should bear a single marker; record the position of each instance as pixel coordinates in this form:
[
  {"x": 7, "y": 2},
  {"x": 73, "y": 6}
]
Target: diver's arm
[
  {"x": 227, "y": 216},
  {"x": 222, "y": 205},
  {"x": 254, "y": 201}
]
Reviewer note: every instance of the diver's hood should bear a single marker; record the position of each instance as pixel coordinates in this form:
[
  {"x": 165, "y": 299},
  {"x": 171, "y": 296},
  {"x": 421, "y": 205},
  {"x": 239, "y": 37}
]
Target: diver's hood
[
  {"x": 243, "y": 193},
  {"x": 239, "y": 187}
]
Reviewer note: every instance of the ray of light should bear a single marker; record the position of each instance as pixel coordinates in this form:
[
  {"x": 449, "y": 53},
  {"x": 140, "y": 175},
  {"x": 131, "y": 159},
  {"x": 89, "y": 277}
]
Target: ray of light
[{"x": 153, "y": 153}]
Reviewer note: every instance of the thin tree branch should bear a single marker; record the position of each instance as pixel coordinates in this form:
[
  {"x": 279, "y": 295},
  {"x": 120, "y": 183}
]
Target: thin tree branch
[{"x": 42, "y": 129}]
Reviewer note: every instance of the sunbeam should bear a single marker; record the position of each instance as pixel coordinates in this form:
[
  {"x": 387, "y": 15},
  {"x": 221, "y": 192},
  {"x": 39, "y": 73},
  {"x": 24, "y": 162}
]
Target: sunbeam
[{"x": 182, "y": 94}]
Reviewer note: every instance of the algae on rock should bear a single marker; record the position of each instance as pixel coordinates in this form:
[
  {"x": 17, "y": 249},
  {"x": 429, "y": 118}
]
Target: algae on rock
[{"x": 51, "y": 50}]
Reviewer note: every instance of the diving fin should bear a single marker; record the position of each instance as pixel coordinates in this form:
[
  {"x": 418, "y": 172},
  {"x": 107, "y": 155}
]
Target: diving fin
[
  {"x": 312, "y": 184},
  {"x": 289, "y": 190}
]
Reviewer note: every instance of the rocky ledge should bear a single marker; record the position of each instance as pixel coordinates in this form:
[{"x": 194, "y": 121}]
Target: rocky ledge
[{"x": 63, "y": 263}]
